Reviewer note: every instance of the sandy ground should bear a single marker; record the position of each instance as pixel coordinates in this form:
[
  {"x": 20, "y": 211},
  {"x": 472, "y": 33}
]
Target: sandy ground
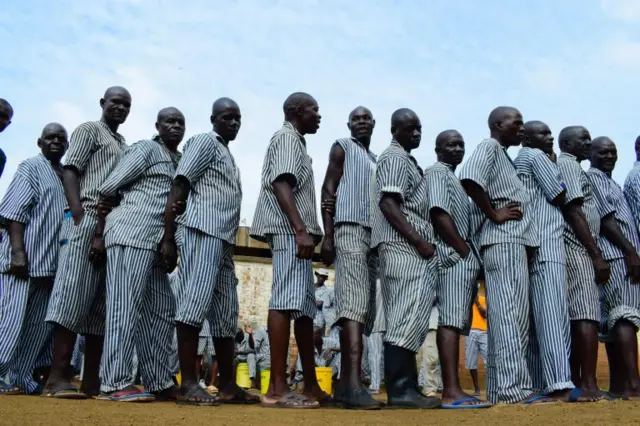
[{"x": 36, "y": 411}]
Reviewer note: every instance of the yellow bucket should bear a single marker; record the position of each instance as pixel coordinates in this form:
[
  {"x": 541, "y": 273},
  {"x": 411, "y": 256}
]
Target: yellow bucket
[
  {"x": 265, "y": 376},
  {"x": 179, "y": 378},
  {"x": 325, "y": 379},
  {"x": 242, "y": 375}
]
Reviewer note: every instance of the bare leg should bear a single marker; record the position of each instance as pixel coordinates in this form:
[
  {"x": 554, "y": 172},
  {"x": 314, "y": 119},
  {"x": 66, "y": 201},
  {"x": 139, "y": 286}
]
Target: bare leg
[
  {"x": 303, "y": 329},
  {"x": 474, "y": 379},
  {"x": 59, "y": 376},
  {"x": 192, "y": 393},
  {"x": 585, "y": 345},
  {"x": 626, "y": 340},
  {"x": 279, "y": 327}
]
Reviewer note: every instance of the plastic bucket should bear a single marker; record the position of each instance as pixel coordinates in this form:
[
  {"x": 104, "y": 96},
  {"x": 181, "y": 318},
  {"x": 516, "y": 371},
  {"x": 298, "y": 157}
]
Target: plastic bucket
[
  {"x": 325, "y": 379},
  {"x": 242, "y": 375},
  {"x": 265, "y": 376}
]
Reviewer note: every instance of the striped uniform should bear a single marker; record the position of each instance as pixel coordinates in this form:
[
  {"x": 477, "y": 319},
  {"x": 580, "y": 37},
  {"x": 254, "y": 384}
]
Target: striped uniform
[
  {"x": 174, "y": 361},
  {"x": 207, "y": 235},
  {"x": 506, "y": 271},
  {"x": 205, "y": 341},
  {"x": 632, "y": 192},
  {"x": 550, "y": 344},
  {"x": 245, "y": 353},
  {"x": 583, "y": 293},
  {"x": 456, "y": 276},
  {"x": 408, "y": 281},
  {"x": 319, "y": 320},
  {"x": 376, "y": 354},
  {"x": 292, "y": 289},
  {"x": 620, "y": 300},
  {"x": 475, "y": 343},
  {"x": 35, "y": 198},
  {"x": 77, "y": 302},
  {"x": 328, "y": 344},
  {"x": 356, "y": 262},
  {"x": 140, "y": 303}
]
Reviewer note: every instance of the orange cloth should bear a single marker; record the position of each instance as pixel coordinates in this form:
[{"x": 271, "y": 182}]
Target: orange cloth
[{"x": 479, "y": 323}]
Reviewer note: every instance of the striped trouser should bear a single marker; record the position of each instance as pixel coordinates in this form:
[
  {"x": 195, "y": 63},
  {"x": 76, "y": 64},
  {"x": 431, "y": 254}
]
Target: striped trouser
[
  {"x": 45, "y": 357},
  {"x": 77, "y": 302},
  {"x": 140, "y": 310},
  {"x": 475, "y": 343},
  {"x": 456, "y": 286},
  {"x": 583, "y": 293},
  {"x": 507, "y": 288},
  {"x": 208, "y": 283},
  {"x": 620, "y": 300},
  {"x": 293, "y": 289},
  {"x": 408, "y": 285},
  {"x": 174, "y": 360},
  {"x": 205, "y": 342},
  {"x": 77, "y": 359},
  {"x": 376, "y": 360},
  {"x": 356, "y": 270},
  {"x": 550, "y": 335},
  {"x": 23, "y": 332}
]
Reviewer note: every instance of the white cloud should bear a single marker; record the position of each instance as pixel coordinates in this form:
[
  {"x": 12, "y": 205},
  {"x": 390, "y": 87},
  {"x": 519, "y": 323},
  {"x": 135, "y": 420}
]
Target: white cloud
[{"x": 624, "y": 10}]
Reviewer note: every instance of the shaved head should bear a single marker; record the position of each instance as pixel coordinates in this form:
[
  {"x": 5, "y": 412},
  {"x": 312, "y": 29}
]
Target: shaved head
[
  {"x": 295, "y": 102},
  {"x": 5, "y": 105},
  {"x": 223, "y": 103},
  {"x": 499, "y": 114},
  {"x": 165, "y": 112},
  {"x": 301, "y": 110},
  {"x": 53, "y": 128},
  {"x": 637, "y": 145},
  {"x": 401, "y": 115},
  {"x": 116, "y": 91},
  {"x": 360, "y": 110},
  {"x": 6, "y": 114},
  {"x": 598, "y": 142},
  {"x": 446, "y": 135}
]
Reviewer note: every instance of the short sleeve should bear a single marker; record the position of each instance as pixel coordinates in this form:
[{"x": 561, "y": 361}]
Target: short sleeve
[
  {"x": 392, "y": 175},
  {"x": 547, "y": 176},
  {"x": 198, "y": 153},
  {"x": 480, "y": 166},
  {"x": 133, "y": 164},
  {"x": 631, "y": 195},
  {"x": 438, "y": 191},
  {"x": 600, "y": 187},
  {"x": 284, "y": 157},
  {"x": 258, "y": 339},
  {"x": 570, "y": 175},
  {"x": 82, "y": 144},
  {"x": 21, "y": 196}
]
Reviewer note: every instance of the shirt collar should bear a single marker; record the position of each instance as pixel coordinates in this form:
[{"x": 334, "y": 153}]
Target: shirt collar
[{"x": 287, "y": 125}]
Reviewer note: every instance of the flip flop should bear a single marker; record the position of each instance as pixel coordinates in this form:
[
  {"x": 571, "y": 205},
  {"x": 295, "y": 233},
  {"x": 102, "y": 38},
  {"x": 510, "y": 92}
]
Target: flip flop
[
  {"x": 64, "y": 392},
  {"x": 575, "y": 394},
  {"x": 535, "y": 398},
  {"x": 611, "y": 396},
  {"x": 198, "y": 397},
  {"x": 126, "y": 395},
  {"x": 242, "y": 397},
  {"x": 292, "y": 400},
  {"x": 460, "y": 404},
  {"x": 10, "y": 390}
]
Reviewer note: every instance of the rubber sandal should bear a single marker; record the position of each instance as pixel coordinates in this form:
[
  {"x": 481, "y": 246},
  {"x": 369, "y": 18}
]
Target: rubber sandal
[
  {"x": 242, "y": 397},
  {"x": 127, "y": 395},
  {"x": 533, "y": 400},
  {"x": 64, "y": 392},
  {"x": 292, "y": 400},
  {"x": 198, "y": 397},
  {"x": 462, "y": 404},
  {"x": 10, "y": 390}
]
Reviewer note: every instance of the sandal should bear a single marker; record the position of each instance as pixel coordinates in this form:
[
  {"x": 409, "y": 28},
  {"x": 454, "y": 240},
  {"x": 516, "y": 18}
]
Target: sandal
[
  {"x": 292, "y": 400},
  {"x": 64, "y": 391},
  {"x": 241, "y": 397},
  {"x": 198, "y": 397},
  {"x": 129, "y": 394},
  {"x": 11, "y": 390}
]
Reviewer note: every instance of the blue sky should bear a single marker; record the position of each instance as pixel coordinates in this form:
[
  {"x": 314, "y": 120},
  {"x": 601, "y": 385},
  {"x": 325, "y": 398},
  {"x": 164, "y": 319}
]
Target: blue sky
[{"x": 564, "y": 62}]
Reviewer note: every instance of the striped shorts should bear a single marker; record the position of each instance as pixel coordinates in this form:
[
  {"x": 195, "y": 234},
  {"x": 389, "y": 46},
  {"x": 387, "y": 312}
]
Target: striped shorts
[
  {"x": 78, "y": 299},
  {"x": 408, "y": 285},
  {"x": 208, "y": 283},
  {"x": 456, "y": 287},
  {"x": 356, "y": 271},
  {"x": 583, "y": 293},
  {"x": 293, "y": 289},
  {"x": 620, "y": 300}
]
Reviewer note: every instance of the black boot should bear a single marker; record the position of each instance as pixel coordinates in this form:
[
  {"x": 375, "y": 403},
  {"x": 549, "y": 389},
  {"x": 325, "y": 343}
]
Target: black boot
[{"x": 401, "y": 377}]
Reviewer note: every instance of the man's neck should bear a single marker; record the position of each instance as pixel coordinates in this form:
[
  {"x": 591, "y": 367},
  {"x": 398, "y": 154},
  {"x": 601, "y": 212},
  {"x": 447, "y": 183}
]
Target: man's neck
[{"x": 112, "y": 126}]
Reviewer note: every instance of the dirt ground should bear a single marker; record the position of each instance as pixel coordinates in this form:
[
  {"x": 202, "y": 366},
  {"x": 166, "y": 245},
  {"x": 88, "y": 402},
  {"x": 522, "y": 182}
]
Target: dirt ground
[{"x": 41, "y": 411}]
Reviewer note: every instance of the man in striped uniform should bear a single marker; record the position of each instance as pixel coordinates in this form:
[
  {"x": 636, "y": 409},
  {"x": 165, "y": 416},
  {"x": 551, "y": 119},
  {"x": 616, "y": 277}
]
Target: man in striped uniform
[
  {"x": 209, "y": 178},
  {"x": 140, "y": 304},
  {"x": 6, "y": 114},
  {"x": 375, "y": 344},
  {"x": 263, "y": 353},
  {"x": 77, "y": 304},
  {"x": 549, "y": 347},
  {"x": 349, "y": 179},
  {"x": 321, "y": 292},
  {"x": 408, "y": 268},
  {"x": 31, "y": 212},
  {"x": 620, "y": 297},
  {"x": 508, "y": 239},
  {"x": 286, "y": 219},
  {"x": 450, "y": 212},
  {"x": 584, "y": 263}
]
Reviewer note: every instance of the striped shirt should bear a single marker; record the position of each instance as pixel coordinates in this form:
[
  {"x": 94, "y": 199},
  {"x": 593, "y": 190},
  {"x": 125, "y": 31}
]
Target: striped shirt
[
  {"x": 610, "y": 199},
  {"x": 35, "y": 197},
  {"x": 632, "y": 192},
  {"x": 261, "y": 343},
  {"x": 286, "y": 155},
  {"x": 214, "y": 202},
  {"x": 542, "y": 180},
  {"x": 353, "y": 198},
  {"x": 143, "y": 177},
  {"x": 321, "y": 295},
  {"x": 446, "y": 193},
  {"x": 578, "y": 188},
  {"x": 491, "y": 167},
  {"x": 94, "y": 151},
  {"x": 398, "y": 173}
]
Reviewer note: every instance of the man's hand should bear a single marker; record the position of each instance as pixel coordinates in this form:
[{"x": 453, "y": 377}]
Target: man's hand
[
  {"x": 105, "y": 205},
  {"x": 248, "y": 329},
  {"x": 179, "y": 207},
  {"x": 329, "y": 205},
  {"x": 19, "y": 265},
  {"x": 304, "y": 245},
  {"x": 509, "y": 212},
  {"x": 169, "y": 252},
  {"x": 601, "y": 270},
  {"x": 327, "y": 251},
  {"x": 425, "y": 249},
  {"x": 319, "y": 303},
  {"x": 633, "y": 266},
  {"x": 97, "y": 253},
  {"x": 77, "y": 215}
]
